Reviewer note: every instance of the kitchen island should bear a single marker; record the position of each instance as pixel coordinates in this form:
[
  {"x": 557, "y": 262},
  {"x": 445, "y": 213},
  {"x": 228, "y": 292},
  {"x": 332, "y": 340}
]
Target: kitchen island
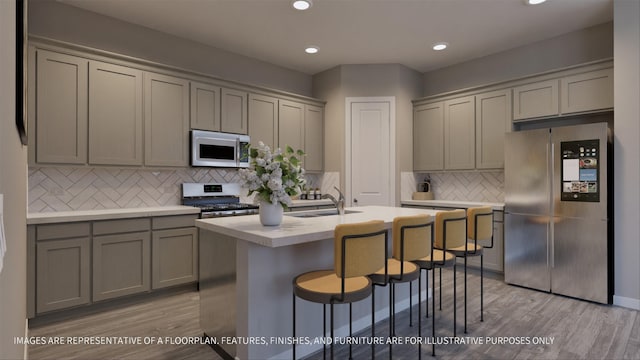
[{"x": 246, "y": 272}]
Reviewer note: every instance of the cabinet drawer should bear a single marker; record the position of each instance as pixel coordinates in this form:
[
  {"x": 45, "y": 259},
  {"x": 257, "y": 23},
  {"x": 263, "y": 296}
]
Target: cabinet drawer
[
  {"x": 63, "y": 231},
  {"x": 120, "y": 226},
  {"x": 168, "y": 222}
]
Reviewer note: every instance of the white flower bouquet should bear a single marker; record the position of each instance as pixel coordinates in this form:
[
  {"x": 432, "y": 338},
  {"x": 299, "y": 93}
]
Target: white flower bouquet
[{"x": 274, "y": 177}]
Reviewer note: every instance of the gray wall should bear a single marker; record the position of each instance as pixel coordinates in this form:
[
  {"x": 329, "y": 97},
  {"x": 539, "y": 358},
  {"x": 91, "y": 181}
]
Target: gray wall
[
  {"x": 13, "y": 184},
  {"x": 58, "y": 21},
  {"x": 577, "y": 47},
  {"x": 626, "y": 150},
  {"x": 336, "y": 84}
]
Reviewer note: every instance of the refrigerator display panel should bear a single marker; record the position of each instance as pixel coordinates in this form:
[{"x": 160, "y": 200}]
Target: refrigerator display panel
[{"x": 580, "y": 170}]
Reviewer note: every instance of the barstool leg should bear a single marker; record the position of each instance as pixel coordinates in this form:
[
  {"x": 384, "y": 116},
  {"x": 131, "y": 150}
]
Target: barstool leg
[
  {"x": 324, "y": 331},
  {"x": 331, "y": 306},
  {"x": 433, "y": 312},
  {"x": 420, "y": 313},
  {"x": 350, "y": 330},
  {"x": 465, "y": 293},
  {"x": 481, "y": 287},
  {"x": 294, "y": 326},
  {"x": 410, "y": 304},
  {"x": 454, "y": 300},
  {"x": 373, "y": 321},
  {"x": 440, "y": 285},
  {"x": 432, "y": 294}
]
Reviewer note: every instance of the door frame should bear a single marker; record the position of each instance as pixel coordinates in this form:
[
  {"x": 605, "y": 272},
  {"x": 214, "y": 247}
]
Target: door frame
[{"x": 349, "y": 101}]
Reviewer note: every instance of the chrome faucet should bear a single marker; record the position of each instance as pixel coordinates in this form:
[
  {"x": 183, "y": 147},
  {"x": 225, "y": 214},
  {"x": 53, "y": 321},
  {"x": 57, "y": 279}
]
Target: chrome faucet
[{"x": 338, "y": 203}]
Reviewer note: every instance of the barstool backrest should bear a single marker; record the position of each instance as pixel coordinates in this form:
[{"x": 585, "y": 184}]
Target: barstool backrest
[
  {"x": 417, "y": 236},
  {"x": 480, "y": 223},
  {"x": 361, "y": 247},
  {"x": 455, "y": 222}
]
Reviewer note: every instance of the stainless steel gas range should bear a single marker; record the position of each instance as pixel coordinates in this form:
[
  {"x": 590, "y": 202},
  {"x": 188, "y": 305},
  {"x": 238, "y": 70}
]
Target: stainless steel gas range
[{"x": 216, "y": 200}]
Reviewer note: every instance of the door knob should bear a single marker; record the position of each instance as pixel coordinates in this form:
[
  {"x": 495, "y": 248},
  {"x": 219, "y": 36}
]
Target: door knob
[{"x": 355, "y": 201}]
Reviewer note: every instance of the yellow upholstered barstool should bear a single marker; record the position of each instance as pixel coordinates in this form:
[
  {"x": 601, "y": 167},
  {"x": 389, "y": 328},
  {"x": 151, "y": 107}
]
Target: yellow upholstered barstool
[
  {"x": 480, "y": 227},
  {"x": 397, "y": 270},
  {"x": 451, "y": 236},
  {"x": 415, "y": 236},
  {"x": 360, "y": 249}
]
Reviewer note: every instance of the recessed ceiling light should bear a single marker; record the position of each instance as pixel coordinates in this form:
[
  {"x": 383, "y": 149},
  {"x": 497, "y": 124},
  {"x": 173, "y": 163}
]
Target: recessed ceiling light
[
  {"x": 440, "y": 46},
  {"x": 311, "y": 49},
  {"x": 535, "y": 2},
  {"x": 302, "y": 4}
]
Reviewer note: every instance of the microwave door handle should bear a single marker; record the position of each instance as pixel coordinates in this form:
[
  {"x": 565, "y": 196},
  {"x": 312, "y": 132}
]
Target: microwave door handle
[{"x": 238, "y": 152}]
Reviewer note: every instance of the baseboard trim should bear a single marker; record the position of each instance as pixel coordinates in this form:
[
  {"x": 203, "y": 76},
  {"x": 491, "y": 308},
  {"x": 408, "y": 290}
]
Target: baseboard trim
[{"x": 626, "y": 302}]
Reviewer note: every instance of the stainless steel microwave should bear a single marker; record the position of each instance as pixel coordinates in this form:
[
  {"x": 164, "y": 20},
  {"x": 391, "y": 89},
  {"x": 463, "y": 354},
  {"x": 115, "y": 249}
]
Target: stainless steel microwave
[{"x": 218, "y": 149}]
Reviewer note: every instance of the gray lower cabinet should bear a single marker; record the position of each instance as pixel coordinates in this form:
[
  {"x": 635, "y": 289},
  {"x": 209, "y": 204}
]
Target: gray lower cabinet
[
  {"x": 175, "y": 257},
  {"x": 63, "y": 266},
  {"x": 121, "y": 265},
  {"x": 77, "y": 263}
]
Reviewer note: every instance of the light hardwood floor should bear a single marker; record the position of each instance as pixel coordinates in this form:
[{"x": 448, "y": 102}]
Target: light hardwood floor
[{"x": 580, "y": 329}]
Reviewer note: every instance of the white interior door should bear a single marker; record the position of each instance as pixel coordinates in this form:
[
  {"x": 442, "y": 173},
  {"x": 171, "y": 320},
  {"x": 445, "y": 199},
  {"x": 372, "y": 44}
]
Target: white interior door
[{"x": 370, "y": 151}]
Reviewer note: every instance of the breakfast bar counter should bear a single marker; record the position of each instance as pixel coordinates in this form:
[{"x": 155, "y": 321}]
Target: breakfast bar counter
[{"x": 246, "y": 271}]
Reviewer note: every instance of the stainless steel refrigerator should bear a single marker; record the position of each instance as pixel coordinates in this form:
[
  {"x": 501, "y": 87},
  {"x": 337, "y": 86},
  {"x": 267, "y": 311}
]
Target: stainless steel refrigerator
[{"x": 557, "y": 211}]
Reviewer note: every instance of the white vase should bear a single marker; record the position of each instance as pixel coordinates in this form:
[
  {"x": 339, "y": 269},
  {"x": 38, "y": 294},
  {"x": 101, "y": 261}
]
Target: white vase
[{"x": 270, "y": 214}]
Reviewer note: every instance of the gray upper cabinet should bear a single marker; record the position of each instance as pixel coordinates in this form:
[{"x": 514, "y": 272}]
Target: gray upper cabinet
[
  {"x": 166, "y": 120},
  {"x": 291, "y": 125},
  {"x": 493, "y": 120},
  {"x": 61, "y": 108},
  {"x": 233, "y": 115},
  {"x": 115, "y": 115},
  {"x": 428, "y": 137},
  {"x": 313, "y": 138},
  {"x": 459, "y": 134},
  {"x": 588, "y": 91},
  {"x": 263, "y": 120},
  {"x": 205, "y": 107},
  {"x": 534, "y": 100}
]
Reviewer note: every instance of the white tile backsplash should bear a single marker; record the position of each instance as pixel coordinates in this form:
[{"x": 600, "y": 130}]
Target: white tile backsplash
[
  {"x": 68, "y": 188},
  {"x": 467, "y": 186}
]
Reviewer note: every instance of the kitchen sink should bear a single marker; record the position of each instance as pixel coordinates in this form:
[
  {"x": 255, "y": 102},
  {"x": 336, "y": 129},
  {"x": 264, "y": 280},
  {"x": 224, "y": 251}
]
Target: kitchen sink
[{"x": 319, "y": 213}]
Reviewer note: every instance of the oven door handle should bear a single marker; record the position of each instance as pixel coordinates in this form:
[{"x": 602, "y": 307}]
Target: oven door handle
[{"x": 238, "y": 152}]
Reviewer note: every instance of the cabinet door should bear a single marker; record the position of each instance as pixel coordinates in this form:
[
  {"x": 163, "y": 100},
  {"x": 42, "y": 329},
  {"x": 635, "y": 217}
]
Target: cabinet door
[
  {"x": 536, "y": 100},
  {"x": 459, "y": 134},
  {"x": 587, "y": 92},
  {"x": 428, "y": 137},
  {"x": 290, "y": 125},
  {"x": 61, "y": 108},
  {"x": 205, "y": 107},
  {"x": 166, "y": 120},
  {"x": 233, "y": 116},
  {"x": 175, "y": 257},
  {"x": 62, "y": 273},
  {"x": 493, "y": 120},
  {"x": 313, "y": 138},
  {"x": 263, "y": 120},
  {"x": 121, "y": 265},
  {"x": 115, "y": 115}
]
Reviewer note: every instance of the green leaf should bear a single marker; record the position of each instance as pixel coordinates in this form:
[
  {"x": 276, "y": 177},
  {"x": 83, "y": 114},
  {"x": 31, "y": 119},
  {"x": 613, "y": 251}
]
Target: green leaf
[
  {"x": 289, "y": 149},
  {"x": 300, "y": 153}
]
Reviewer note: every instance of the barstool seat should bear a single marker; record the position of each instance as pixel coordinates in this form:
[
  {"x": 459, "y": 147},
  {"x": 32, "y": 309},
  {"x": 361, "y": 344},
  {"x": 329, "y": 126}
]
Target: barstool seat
[
  {"x": 470, "y": 249},
  {"x": 323, "y": 285},
  {"x": 397, "y": 271}
]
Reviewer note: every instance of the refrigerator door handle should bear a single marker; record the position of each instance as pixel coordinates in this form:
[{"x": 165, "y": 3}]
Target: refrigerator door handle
[{"x": 552, "y": 210}]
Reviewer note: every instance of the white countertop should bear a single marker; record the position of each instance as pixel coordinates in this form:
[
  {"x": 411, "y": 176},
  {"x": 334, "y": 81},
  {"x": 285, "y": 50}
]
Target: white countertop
[
  {"x": 453, "y": 203},
  {"x": 295, "y": 230},
  {"x": 108, "y": 214}
]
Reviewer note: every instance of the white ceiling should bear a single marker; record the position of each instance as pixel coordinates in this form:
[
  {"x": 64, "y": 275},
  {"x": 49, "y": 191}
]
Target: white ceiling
[{"x": 358, "y": 31}]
